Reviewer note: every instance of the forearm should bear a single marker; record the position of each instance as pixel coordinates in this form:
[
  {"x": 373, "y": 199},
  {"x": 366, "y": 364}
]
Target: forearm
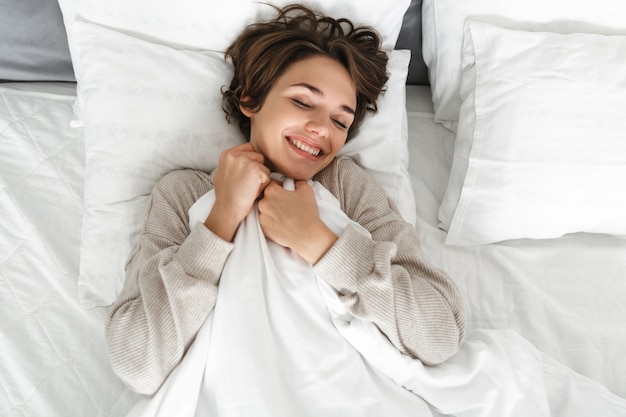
[
  {"x": 386, "y": 282},
  {"x": 167, "y": 296}
]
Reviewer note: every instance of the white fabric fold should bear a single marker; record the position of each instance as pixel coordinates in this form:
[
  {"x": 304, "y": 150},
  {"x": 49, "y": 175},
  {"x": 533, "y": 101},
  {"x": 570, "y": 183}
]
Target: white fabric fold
[{"x": 280, "y": 342}]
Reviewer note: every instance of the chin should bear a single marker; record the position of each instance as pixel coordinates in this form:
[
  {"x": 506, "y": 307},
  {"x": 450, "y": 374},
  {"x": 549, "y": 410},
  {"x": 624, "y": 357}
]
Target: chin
[
  {"x": 297, "y": 176},
  {"x": 295, "y": 173}
]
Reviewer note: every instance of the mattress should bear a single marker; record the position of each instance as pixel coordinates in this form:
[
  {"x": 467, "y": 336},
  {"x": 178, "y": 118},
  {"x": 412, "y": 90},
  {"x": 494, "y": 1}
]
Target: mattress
[{"x": 564, "y": 295}]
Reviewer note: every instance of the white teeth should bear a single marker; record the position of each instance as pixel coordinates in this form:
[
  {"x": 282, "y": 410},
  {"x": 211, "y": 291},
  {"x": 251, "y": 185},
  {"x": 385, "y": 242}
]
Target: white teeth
[{"x": 304, "y": 147}]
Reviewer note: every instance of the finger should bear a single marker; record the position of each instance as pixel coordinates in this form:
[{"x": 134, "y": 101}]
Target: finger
[
  {"x": 272, "y": 186},
  {"x": 275, "y": 183},
  {"x": 265, "y": 179},
  {"x": 255, "y": 157},
  {"x": 304, "y": 187},
  {"x": 244, "y": 147},
  {"x": 301, "y": 184},
  {"x": 254, "y": 146},
  {"x": 244, "y": 150}
]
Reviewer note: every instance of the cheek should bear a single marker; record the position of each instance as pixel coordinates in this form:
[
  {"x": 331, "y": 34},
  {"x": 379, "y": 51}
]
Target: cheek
[
  {"x": 338, "y": 142},
  {"x": 274, "y": 118},
  {"x": 265, "y": 128}
]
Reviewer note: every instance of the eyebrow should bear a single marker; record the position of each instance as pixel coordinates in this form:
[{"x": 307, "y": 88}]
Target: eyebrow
[{"x": 319, "y": 92}]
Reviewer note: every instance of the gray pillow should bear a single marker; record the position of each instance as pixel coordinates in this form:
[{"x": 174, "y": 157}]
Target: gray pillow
[
  {"x": 33, "y": 42},
  {"x": 411, "y": 38}
]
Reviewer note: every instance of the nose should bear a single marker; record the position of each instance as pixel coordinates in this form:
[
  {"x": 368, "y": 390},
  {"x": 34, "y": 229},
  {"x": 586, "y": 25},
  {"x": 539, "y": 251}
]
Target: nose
[{"x": 318, "y": 124}]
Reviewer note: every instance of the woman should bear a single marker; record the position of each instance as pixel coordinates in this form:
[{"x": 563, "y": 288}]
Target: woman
[{"x": 302, "y": 84}]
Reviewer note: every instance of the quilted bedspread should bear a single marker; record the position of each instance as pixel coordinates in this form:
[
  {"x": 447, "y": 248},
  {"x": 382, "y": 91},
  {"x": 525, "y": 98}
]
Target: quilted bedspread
[
  {"x": 53, "y": 360},
  {"x": 566, "y": 296}
]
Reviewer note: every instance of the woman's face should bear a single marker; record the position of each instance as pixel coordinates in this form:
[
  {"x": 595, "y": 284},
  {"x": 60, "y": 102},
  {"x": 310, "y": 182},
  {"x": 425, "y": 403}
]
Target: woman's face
[{"x": 305, "y": 117}]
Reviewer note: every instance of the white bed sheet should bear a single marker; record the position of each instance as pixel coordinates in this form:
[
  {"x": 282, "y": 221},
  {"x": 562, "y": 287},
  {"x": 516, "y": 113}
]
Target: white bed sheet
[
  {"x": 567, "y": 296},
  {"x": 53, "y": 360}
]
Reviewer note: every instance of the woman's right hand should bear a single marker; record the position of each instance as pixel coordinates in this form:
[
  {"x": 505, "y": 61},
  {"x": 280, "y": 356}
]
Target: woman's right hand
[{"x": 240, "y": 178}]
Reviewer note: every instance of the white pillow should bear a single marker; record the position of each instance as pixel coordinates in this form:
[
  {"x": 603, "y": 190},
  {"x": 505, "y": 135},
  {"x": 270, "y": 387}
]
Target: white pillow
[
  {"x": 150, "y": 108},
  {"x": 211, "y": 25},
  {"x": 443, "y": 20},
  {"x": 541, "y": 145}
]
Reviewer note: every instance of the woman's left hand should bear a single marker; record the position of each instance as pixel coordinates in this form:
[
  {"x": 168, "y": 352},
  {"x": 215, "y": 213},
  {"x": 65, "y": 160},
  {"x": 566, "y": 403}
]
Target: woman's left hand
[{"x": 291, "y": 219}]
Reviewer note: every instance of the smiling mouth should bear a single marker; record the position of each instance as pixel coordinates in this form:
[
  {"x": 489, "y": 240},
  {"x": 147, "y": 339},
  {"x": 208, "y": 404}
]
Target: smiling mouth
[{"x": 305, "y": 148}]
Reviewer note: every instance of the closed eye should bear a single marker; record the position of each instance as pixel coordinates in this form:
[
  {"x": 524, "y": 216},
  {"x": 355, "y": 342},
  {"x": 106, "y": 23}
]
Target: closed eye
[
  {"x": 304, "y": 105},
  {"x": 300, "y": 103},
  {"x": 340, "y": 124}
]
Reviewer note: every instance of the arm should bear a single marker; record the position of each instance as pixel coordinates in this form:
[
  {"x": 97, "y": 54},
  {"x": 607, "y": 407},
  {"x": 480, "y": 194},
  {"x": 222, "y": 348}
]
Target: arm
[
  {"x": 386, "y": 279},
  {"x": 171, "y": 285}
]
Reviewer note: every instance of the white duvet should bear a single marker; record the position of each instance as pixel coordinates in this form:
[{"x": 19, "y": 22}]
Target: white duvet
[{"x": 280, "y": 343}]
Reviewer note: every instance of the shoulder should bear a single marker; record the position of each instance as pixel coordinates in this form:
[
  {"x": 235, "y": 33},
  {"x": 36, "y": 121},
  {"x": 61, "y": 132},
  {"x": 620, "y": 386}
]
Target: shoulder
[
  {"x": 345, "y": 176},
  {"x": 341, "y": 174},
  {"x": 342, "y": 164},
  {"x": 185, "y": 178},
  {"x": 357, "y": 191},
  {"x": 178, "y": 190},
  {"x": 184, "y": 182}
]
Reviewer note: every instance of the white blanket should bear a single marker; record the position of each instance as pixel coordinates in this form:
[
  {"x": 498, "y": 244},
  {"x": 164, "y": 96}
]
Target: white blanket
[{"x": 280, "y": 343}]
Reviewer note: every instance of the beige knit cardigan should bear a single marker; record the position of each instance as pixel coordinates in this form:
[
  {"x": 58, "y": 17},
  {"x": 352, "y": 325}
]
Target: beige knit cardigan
[{"x": 173, "y": 273}]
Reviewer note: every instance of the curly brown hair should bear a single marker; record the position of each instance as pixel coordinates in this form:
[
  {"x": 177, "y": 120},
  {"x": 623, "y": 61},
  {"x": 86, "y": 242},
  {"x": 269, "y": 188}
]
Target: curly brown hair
[{"x": 263, "y": 51}]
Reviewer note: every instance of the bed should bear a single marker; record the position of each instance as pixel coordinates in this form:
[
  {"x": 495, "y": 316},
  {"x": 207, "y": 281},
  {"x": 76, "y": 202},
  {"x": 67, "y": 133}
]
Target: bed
[{"x": 516, "y": 188}]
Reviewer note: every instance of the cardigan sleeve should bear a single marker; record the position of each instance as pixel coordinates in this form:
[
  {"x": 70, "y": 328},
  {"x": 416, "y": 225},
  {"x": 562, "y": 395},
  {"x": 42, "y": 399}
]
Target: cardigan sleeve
[
  {"x": 171, "y": 285},
  {"x": 385, "y": 279}
]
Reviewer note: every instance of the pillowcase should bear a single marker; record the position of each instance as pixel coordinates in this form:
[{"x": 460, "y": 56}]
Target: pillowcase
[
  {"x": 209, "y": 25},
  {"x": 33, "y": 42},
  {"x": 540, "y": 149},
  {"x": 150, "y": 108},
  {"x": 443, "y": 34}
]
